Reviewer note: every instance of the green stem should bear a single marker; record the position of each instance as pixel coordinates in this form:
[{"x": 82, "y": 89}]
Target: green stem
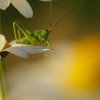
[{"x": 3, "y": 81}]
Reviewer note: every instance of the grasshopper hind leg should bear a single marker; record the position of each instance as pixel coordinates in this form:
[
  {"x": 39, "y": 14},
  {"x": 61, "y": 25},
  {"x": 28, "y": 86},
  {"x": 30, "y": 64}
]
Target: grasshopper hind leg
[{"x": 24, "y": 40}]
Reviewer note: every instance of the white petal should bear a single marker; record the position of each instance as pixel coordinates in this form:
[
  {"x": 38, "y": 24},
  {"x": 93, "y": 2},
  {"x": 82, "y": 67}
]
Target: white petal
[
  {"x": 23, "y": 7},
  {"x": 43, "y": 49},
  {"x": 4, "y": 4},
  {"x": 27, "y": 49},
  {"x": 32, "y": 49},
  {"x": 36, "y": 49},
  {"x": 23, "y": 51},
  {"x": 18, "y": 51},
  {"x": 2, "y": 41},
  {"x": 16, "y": 45}
]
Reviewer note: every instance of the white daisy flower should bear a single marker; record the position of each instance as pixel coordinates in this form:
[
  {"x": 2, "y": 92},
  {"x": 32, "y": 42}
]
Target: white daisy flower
[
  {"x": 19, "y": 49},
  {"x": 21, "y": 5}
]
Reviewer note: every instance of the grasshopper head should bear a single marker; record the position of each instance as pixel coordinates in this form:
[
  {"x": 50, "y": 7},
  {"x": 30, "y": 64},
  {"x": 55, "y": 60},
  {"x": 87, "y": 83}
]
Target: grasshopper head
[{"x": 42, "y": 36}]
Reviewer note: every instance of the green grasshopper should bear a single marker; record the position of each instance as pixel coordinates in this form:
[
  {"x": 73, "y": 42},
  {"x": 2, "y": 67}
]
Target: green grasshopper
[
  {"x": 36, "y": 37},
  {"x": 30, "y": 38}
]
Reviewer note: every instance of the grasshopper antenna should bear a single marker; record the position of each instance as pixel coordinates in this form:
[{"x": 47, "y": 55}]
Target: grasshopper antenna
[
  {"x": 68, "y": 14},
  {"x": 63, "y": 17},
  {"x": 60, "y": 20}
]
